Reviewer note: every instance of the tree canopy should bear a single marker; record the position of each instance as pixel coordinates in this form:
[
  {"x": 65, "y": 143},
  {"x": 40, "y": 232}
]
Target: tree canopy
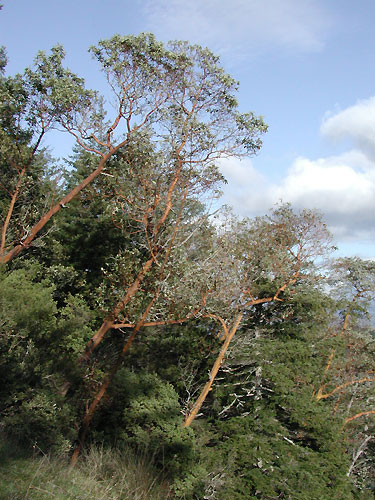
[{"x": 235, "y": 352}]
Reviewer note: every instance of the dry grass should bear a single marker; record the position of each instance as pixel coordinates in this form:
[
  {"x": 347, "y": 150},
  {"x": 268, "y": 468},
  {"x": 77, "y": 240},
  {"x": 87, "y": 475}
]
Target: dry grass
[{"x": 100, "y": 475}]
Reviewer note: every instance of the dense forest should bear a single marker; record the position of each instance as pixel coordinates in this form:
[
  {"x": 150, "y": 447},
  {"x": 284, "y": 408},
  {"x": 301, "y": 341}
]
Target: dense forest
[{"x": 152, "y": 345}]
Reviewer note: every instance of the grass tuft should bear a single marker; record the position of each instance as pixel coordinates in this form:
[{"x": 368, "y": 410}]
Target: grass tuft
[{"x": 99, "y": 475}]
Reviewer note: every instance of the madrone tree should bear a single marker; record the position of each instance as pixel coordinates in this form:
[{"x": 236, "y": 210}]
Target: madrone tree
[
  {"x": 348, "y": 380},
  {"x": 257, "y": 262},
  {"x": 178, "y": 95},
  {"x": 175, "y": 115},
  {"x": 247, "y": 264}
]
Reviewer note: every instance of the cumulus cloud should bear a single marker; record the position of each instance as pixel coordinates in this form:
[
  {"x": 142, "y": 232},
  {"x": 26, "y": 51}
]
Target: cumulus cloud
[
  {"x": 356, "y": 123},
  {"x": 247, "y": 190},
  {"x": 243, "y": 25},
  {"x": 342, "y": 187}
]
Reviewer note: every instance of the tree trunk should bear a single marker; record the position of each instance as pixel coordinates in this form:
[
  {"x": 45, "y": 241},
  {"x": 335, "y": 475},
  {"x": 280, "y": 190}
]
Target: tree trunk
[{"x": 213, "y": 372}]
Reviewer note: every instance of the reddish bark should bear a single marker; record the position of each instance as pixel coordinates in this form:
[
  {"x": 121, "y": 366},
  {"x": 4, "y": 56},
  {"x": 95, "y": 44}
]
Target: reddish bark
[{"x": 107, "y": 381}]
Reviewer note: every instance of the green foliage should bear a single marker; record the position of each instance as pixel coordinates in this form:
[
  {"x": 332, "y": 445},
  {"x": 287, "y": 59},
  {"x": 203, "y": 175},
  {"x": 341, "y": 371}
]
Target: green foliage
[
  {"x": 262, "y": 432},
  {"x": 187, "y": 350},
  {"x": 3, "y": 59},
  {"x": 39, "y": 345},
  {"x": 263, "y": 462},
  {"x": 143, "y": 412},
  {"x": 277, "y": 440},
  {"x": 195, "y": 92},
  {"x": 148, "y": 418}
]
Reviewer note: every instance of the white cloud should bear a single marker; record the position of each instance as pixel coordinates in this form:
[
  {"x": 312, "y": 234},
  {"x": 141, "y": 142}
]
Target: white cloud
[
  {"x": 335, "y": 183},
  {"x": 356, "y": 123},
  {"x": 243, "y": 25},
  {"x": 237, "y": 170},
  {"x": 247, "y": 189},
  {"x": 342, "y": 187}
]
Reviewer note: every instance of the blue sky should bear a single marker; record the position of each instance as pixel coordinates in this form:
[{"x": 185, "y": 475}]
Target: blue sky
[{"x": 307, "y": 66}]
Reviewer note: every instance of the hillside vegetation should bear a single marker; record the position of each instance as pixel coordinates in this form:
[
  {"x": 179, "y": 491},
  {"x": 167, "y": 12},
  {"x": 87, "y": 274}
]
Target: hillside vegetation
[{"x": 151, "y": 346}]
